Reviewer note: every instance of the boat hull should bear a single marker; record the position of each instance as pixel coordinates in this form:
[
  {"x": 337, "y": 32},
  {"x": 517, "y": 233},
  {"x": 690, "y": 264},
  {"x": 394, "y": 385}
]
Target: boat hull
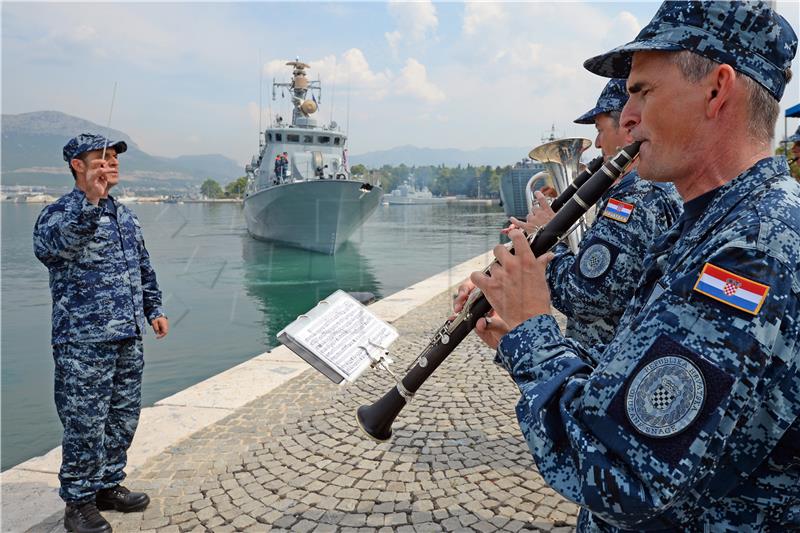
[{"x": 316, "y": 215}]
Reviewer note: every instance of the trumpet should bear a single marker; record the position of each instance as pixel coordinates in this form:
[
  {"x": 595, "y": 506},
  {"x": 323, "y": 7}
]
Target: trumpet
[{"x": 376, "y": 419}]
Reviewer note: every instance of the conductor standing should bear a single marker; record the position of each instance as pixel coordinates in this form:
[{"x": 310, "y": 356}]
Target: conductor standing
[{"x": 104, "y": 292}]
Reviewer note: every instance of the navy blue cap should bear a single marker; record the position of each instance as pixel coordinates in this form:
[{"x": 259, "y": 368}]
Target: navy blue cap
[
  {"x": 749, "y": 36},
  {"x": 796, "y": 137},
  {"x": 86, "y": 142},
  {"x": 613, "y": 98}
]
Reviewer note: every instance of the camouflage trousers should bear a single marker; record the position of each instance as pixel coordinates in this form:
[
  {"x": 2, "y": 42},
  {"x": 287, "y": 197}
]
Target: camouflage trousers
[{"x": 98, "y": 390}]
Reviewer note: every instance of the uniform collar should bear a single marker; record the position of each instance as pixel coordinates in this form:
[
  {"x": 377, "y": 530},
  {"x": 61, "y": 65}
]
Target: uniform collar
[{"x": 733, "y": 192}]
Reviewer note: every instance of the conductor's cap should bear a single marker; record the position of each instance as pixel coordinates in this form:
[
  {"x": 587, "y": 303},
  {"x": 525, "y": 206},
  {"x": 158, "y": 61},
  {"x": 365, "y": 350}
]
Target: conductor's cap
[
  {"x": 86, "y": 142},
  {"x": 749, "y": 36}
]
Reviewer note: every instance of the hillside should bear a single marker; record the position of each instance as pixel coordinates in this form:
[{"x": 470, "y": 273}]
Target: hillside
[
  {"x": 32, "y": 144},
  {"x": 450, "y": 157}
]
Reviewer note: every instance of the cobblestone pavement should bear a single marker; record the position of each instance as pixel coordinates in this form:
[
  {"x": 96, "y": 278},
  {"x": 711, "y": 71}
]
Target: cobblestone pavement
[{"x": 295, "y": 459}]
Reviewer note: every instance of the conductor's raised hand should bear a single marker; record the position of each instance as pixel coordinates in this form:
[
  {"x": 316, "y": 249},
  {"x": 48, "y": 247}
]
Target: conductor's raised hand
[
  {"x": 516, "y": 287},
  {"x": 98, "y": 174}
]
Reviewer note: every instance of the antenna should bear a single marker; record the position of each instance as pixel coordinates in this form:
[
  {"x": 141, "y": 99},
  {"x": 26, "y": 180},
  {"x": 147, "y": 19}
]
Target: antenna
[
  {"x": 347, "y": 128},
  {"x": 333, "y": 88},
  {"x": 108, "y": 126},
  {"x": 260, "y": 91}
]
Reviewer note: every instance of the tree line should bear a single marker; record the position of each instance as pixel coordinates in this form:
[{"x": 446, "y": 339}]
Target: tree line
[
  {"x": 235, "y": 189},
  {"x": 482, "y": 181}
]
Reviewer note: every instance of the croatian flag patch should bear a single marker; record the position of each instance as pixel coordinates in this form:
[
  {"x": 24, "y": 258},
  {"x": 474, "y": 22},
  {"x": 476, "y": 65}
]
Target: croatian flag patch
[
  {"x": 617, "y": 210},
  {"x": 731, "y": 289}
]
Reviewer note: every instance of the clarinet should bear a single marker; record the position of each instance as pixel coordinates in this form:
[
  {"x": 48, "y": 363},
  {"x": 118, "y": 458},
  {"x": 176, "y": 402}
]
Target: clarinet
[
  {"x": 580, "y": 179},
  {"x": 376, "y": 419}
]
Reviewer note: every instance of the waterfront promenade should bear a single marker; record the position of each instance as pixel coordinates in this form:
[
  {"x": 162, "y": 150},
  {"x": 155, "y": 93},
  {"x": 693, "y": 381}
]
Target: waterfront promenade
[{"x": 273, "y": 445}]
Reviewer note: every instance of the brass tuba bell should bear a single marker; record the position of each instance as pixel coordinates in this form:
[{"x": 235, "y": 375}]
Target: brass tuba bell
[{"x": 561, "y": 158}]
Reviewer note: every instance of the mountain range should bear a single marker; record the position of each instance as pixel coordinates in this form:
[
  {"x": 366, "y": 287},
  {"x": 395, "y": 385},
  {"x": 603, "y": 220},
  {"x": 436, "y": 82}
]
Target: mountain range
[
  {"x": 32, "y": 144},
  {"x": 450, "y": 157}
]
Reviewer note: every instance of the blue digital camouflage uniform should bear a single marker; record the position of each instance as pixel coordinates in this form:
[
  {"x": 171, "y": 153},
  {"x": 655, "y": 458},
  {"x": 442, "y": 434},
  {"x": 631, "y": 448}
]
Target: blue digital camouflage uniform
[
  {"x": 688, "y": 419},
  {"x": 713, "y": 440},
  {"x": 594, "y": 288},
  {"x": 104, "y": 292}
]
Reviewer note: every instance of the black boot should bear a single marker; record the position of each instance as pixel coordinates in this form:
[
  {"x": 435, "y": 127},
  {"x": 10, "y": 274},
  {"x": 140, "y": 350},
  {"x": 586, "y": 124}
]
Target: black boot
[
  {"x": 85, "y": 518},
  {"x": 121, "y": 499}
]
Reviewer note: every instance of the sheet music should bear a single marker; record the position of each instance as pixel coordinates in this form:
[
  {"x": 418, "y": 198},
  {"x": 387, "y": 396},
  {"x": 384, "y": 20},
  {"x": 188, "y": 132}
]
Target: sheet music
[{"x": 344, "y": 334}]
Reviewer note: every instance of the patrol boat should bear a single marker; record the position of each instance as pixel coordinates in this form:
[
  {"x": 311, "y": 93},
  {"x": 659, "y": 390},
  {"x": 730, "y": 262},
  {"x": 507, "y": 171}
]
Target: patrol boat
[
  {"x": 310, "y": 201},
  {"x": 409, "y": 194}
]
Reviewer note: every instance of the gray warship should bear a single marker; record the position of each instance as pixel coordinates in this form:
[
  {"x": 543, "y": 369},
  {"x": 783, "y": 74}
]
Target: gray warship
[{"x": 310, "y": 202}]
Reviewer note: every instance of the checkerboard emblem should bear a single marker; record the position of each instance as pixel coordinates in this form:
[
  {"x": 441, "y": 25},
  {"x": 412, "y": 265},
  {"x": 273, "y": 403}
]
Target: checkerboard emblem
[
  {"x": 663, "y": 396},
  {"x": 731, "y": 286},
  {"x": 595, "y": 261}
]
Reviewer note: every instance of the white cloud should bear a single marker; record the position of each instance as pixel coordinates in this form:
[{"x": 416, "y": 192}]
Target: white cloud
[
  {"x": 415, "y": 22},
  {"x": 626, "y": 23},
  {"x": 414, "y": 81},
  {"x": 352, "y": 71},
  {"x": 351, "y": 68},
  {"x": 477, "y": 14},
  {"x": 548, "y": 41}
]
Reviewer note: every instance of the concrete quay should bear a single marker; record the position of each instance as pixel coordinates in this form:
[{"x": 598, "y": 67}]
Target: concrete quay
[{"x": 272, "y": 445}]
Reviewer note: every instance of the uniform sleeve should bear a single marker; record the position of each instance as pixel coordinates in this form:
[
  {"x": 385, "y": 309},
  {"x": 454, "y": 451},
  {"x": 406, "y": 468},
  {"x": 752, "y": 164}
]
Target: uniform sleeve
[
  {"x": 62, "y": 230},
  {"x": 694, "y": 393},
  {"x": 606, "y": 270},
  {"x": 151, "y": 294}
]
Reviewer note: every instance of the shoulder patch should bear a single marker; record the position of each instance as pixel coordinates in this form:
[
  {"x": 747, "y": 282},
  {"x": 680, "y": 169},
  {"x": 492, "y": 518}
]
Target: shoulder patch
[
  {"x": 665, "y": 396},
  {"x": 618, "y": 210},
  {"x": 658, "y": 400},
  {"x": 731, "y": 289},
  {"x": 595, "y": 260}
]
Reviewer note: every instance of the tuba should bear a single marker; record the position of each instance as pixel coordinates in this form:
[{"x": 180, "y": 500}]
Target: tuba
[{"x": 561, "y": 158}]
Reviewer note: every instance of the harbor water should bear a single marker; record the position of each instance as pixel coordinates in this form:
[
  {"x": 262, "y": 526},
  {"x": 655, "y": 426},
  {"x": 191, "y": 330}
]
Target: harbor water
[{"x": 226, "y": 294}]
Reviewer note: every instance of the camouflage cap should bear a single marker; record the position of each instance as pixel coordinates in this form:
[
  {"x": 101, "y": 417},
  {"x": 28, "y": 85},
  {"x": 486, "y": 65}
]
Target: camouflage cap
[
  {"x": 613, "y": 98},
  {"x": 86, "y": 142},
  {"x": 794, "y": 138},
  {"x": 749, "y": 36}
]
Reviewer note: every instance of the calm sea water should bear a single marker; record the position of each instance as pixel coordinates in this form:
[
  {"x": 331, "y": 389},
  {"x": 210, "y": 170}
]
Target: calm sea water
[{"x": 226, "y": 294}]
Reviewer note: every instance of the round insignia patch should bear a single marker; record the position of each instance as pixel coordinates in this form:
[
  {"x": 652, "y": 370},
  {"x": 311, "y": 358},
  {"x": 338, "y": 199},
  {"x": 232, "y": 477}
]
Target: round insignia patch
[
  {"x": 665, "y": 396},
  {"x": 595, "y": 261}
]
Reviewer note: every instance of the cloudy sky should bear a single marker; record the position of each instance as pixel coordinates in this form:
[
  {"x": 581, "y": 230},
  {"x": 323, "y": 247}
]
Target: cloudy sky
[{"x": 438, "y": 75}]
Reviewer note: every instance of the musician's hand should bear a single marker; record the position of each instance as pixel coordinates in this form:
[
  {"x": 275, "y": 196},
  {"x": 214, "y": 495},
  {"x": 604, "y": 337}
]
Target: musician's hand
[
  {"x": 491, "y": 329},
  {"x": 461, "y": 296},
  {"x": 517, "y": 288},
  {"x": 516, "y": 223},
  {"x": 542, "y": 213},
  {"x": 549, "y": 191}
]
